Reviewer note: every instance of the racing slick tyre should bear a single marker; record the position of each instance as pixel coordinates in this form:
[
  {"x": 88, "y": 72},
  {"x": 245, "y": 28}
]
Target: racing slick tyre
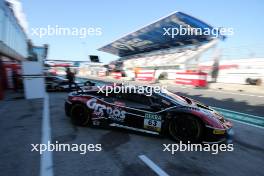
[
  {"x": 186, "y": 128},
  {"x": 80, "y": 115}
]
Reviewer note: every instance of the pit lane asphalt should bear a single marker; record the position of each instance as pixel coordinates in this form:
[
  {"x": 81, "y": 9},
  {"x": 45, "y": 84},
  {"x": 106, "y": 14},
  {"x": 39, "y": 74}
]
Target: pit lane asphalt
[
  {"x": 121, "y": 148},
  {"x": 20, "y": 126}
]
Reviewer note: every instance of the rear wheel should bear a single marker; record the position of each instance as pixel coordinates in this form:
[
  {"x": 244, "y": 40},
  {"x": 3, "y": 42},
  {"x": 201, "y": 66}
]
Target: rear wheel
[
  {"x": 186, "y": 128},
  {"x": 80, "y": 115}
]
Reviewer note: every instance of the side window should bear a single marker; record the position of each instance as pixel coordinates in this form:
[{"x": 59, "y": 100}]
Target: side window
[
  {"x": 110, "y": 98},
  {"x": 160, "y": 101},
  {"x": 134, "y": 100},
  {"x": 102, "y": 95}
]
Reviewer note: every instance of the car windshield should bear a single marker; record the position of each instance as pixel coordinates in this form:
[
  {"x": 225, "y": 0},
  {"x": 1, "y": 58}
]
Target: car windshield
[{"x": 173, "y": 97}]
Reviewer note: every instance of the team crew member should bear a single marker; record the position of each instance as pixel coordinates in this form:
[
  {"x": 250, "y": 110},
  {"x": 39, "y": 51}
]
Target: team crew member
[{"x": 71, "y": 78}]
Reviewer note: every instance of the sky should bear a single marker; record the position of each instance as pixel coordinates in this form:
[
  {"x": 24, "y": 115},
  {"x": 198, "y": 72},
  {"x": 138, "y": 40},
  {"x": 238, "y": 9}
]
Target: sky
[{"x": 119, "y": 17}]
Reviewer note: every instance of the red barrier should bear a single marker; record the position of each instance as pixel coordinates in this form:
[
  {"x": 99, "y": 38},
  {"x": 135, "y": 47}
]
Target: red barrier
[
  {"x": 116, "y": 75},
  {"x": 145, "y": 75},
  {"x": 101, "y": 73},
  {"x": 197, "y": 79}
]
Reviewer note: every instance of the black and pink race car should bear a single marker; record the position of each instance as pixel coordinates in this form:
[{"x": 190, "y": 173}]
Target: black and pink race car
[{"x": 162, "y": 113}]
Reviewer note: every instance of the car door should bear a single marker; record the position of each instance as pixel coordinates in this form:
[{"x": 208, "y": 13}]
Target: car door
[
  {"x": 138, "y": 111},
  {"x": 112, "y": 109}
]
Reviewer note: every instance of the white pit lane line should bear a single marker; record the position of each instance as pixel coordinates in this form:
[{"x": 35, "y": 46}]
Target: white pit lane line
[
  {"x": 46, "y": 165},
  {"x": 153, "y": 166}
]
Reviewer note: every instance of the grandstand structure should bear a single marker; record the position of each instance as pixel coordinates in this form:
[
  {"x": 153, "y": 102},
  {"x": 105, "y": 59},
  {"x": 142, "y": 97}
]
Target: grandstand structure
[{"x": 149, "y": 50}]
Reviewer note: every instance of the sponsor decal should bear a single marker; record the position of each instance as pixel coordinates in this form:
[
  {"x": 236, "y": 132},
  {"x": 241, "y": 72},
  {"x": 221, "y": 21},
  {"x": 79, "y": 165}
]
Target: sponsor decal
[
  {"x": 216, "y": 131},
  {"x": 152, "y": 122},
  {"x": 100, "y": 109}
]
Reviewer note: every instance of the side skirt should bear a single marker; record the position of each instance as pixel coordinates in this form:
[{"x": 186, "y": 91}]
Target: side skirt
[{"x": 134, "y": 129}]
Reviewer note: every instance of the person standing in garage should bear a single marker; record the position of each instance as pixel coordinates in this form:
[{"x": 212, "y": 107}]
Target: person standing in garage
[
  {"x": 70, "y": 76},
  {"x": 215, "y": 70}
]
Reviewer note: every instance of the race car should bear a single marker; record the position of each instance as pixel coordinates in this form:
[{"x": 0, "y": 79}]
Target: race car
[
  {"x": 162, "y": 113},
  {"x": 55, "y": 83},
  {"x": 58, "y": 83}
]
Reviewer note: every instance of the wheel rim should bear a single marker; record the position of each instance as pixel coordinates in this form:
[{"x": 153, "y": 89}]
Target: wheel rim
[
  {"x": 80, "y": 115},
  {"x": 185, "y": 129}
]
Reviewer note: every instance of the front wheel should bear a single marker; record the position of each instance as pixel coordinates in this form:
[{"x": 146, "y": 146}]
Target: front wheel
[
  {"x": 186, "y": 128},
  {"x": 80, "y": 115}
]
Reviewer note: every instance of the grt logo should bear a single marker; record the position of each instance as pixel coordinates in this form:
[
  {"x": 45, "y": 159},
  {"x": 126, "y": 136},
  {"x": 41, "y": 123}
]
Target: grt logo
[{"x": 115, "y": 114}]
